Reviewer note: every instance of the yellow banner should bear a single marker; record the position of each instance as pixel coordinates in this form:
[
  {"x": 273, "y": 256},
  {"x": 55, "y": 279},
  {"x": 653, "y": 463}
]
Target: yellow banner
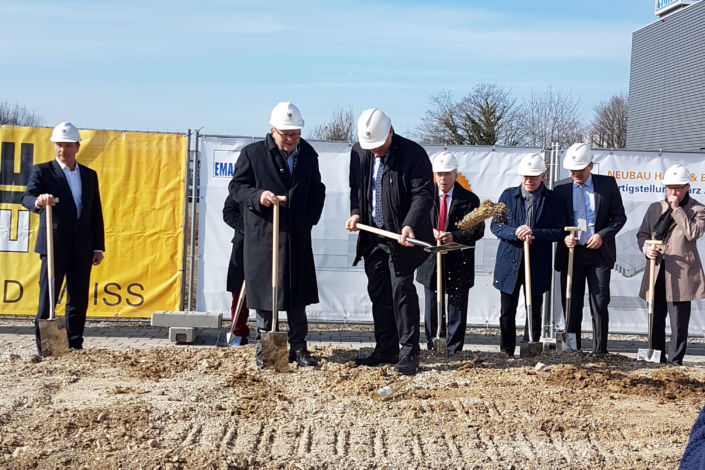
[{"x": 142, "y": 188}]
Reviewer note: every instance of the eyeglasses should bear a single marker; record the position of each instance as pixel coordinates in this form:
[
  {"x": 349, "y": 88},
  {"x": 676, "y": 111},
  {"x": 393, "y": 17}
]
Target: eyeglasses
[
  {"x": 531, "y": 178},
  {"x": 288, "y": 135},
  {"x": 677, "y": 188}
]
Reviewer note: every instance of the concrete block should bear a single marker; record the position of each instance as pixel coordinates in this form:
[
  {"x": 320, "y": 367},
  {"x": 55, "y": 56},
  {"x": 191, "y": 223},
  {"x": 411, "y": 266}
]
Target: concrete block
[
  {"x": 187, "y": 319},
  {"x": 179, "y": 334}
]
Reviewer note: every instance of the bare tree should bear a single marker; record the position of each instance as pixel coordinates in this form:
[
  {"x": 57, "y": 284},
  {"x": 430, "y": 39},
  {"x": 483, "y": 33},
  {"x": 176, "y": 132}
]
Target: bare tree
[
  {"x": 485, "y": 116},
  {"x": 550, "y": 116},
  {"x": 340, "y": 127},
  {"x": 442, "y": 123},
  {"x": 609, "y": 129},
  {"x": 17, "y": 115}
]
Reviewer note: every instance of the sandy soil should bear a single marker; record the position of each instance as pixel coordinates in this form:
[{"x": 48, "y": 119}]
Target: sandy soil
[{"x": 205, "y": 407}]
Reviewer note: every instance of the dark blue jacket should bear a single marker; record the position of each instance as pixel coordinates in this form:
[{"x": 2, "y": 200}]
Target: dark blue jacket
[
  {"x": 694, "y": 455},
  {"x": 548, "y": 228}
]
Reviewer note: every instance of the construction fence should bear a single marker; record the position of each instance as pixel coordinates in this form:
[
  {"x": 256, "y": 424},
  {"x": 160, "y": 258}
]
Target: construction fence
[{"x": 156, "y": 259}]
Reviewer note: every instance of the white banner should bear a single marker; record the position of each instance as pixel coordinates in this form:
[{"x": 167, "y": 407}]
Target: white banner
[
  {"x": 638, "y": 176},
  {"x": 342, "y": 288}
]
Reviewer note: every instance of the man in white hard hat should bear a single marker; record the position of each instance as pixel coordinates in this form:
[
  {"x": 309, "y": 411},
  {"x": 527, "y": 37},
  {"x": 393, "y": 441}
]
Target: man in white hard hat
[
  {"x": 283, "y": 164},
  {"x": 451, "y": 204},
  {"x": 391, "y": 187},
  {"x": 595, "y": 206},
  {"x": 678, "y": 220},
  {"x": 79, "y": 238},
  {"x": 537, "y": 214}
]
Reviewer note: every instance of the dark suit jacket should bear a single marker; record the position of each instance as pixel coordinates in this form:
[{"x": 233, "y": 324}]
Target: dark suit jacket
[
  {"x": 82, "y": 235},
  {"x": 458, "y": 266},
  {"x": 609, "y": 216},
  {"x": 407, "y": 196}
]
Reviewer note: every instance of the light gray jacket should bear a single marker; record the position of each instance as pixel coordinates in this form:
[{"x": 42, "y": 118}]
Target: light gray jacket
[{"x": 685, "y": 279}]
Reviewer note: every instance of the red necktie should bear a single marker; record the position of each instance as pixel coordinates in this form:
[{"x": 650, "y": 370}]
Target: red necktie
[{"x": 442, "y": 213}]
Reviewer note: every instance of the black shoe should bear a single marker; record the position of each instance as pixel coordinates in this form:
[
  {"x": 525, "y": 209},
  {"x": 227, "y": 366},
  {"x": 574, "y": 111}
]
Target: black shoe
[
  {"x": 407, "y": 365},
  {"x": 302, "y": 357},
  {"x": 376, "y": 359}
]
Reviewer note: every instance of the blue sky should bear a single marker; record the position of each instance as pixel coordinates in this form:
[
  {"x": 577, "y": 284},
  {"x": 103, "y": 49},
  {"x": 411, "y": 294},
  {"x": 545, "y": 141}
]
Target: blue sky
[{"x": 175, "y": 65}]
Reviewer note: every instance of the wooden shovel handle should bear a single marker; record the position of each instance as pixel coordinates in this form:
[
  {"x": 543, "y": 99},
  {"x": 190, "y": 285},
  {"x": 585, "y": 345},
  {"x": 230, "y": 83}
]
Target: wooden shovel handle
[
  {"x": 275, "y": 264},
  {"x": 527, "y": 289}
]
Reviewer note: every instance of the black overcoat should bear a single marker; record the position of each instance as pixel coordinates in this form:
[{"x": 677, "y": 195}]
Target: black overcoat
[
  {"x": 458, "y": 266},
  {"x": 261, "y": 166},
  {"x": 407, "y": 196},
  {"x": 236, "y": 272}
]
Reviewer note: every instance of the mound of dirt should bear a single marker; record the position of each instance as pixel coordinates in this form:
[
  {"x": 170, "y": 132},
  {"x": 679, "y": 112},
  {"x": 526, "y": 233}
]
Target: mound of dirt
[{"x": 187, "y": 407}]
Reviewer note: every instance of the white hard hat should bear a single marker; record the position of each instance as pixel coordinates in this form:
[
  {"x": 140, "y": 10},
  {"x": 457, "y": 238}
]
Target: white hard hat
[
  {"x": 65, "y": 132},
  {"x": 373, "y": 128},
  {"x": 577, "y": 157},
  {"x": 676, "y": 175},
  {"x": 532, "y": 165},
  {"x": 286, "y": 116},
  {"x": 444, "y": 161}
]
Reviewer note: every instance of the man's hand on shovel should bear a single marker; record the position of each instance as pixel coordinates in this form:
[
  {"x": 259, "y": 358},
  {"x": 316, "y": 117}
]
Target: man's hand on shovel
[
  {"x": 443, "y": 237},
  {"x": 406, "y": 232},
  {"x": 524, "y": 233}
]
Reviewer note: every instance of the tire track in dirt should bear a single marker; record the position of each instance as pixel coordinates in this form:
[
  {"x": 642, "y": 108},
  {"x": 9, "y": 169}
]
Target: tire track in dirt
[{"x": 229, "y": 438}]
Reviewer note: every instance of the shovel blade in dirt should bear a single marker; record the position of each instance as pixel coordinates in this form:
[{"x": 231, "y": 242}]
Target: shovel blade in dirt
[
  {"x": 527, "y": 349},
  {"x": 570, "y": 341},
  {"x": 648, "y": 355},
  {"x": 274, "y": 351},
  {"x": 440, "y": 347},
  {"x": 52, "y": 334}
]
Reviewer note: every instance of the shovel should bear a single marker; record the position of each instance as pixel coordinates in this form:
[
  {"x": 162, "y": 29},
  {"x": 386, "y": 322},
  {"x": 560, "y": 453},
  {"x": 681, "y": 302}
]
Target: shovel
[
  {"x": 439, "y": 344},
  {"x": 231, "y": 338},
  {"x": 274, "y": 352},
  {"x": 52, "y": 332},
  {"x": 651, "y": 354},
  {"x": 426, "y": 246},
  {"x": 569, "y": 339},
  {"x": 531, "y": 348}
]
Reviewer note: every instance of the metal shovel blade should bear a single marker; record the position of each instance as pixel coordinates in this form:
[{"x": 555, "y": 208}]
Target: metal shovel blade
[
  {"x": 648, "y": 355},
  {"x": 453, "y": 246},
  {"x": 527, "y": 349},
  {"x": 233, "y": 340},
  {"x": 274, "y": 351},
  {"x": 53, "y": 337},
  {"x": 440, "y": 346},
  {"x": 570, "y": 342}
]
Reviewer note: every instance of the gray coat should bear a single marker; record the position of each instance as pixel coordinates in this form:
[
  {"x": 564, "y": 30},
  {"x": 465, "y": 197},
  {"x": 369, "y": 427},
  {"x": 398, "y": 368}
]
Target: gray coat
[{"x": 685, "y": 279}]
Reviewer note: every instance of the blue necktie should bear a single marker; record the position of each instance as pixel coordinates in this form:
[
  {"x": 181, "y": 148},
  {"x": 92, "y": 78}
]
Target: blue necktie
[
  {"x": 581, "y": 215},
  {"x": 379, "y": 221}
]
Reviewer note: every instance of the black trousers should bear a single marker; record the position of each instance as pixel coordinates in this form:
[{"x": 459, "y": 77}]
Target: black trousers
[
  {"x": 507, "y": 316},
  {"x": 395, "y": 305},
  {"x": 590, "y": 267},
  {"x": 298, "y": 326},
  {"x": 77, "y": 271},
  {"x": 679, "y": 313},
  {"x": 456, "y": 315}
]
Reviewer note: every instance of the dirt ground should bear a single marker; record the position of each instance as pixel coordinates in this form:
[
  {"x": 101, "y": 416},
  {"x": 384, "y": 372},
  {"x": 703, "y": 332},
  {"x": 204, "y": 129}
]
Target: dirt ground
[{"x": 208, "y": 407}]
